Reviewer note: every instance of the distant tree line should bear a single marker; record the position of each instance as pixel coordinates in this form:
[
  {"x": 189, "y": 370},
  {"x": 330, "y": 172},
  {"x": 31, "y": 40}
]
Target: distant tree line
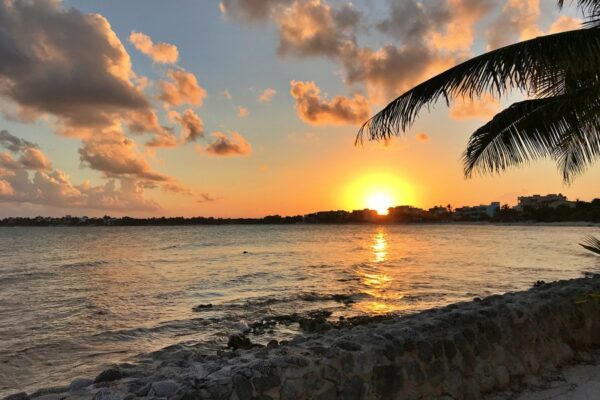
[{"x": 581, "y": 212}]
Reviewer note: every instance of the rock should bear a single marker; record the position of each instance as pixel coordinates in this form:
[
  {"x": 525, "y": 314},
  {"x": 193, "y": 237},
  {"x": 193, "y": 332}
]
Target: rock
[
  {"x": 502, "y": 377},
  {"x": 348, "y": 345},
  {"x": 387, "y": 380},
  {"x": 202, "y": 307},
  {"x": 292, "y": 389},
  {"x": 273, "y": 344},
  {"x": 264, "y": 383},
  {"x": 415, "y": 373},
  {"x": 354, "y": 389},
  {"x": 17, "y": 396},
  {"x": 108, "y": 375},
  {"x": 79, "y": 383},
  {"x": 425, "y": 351},
  {"x": 327, "y": 393},
  {"x": 239, "y": 341},
  {"x": 49, "y": 390},
  {"x": 108, "y": 394},
  {"x": 166, "y": 388},
  {"x": 331, "y": 374},
  {"x": 242, "y": 387}
]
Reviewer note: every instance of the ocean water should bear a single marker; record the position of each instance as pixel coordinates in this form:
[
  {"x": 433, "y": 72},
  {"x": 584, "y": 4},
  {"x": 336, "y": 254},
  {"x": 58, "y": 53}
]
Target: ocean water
[{"x": 73, "y": 300}]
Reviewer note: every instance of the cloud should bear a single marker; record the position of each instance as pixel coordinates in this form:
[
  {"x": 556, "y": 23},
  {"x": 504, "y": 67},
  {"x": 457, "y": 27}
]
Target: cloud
[
  {"x": 183, "y": 88},
  {"x": 242, "y": 111},
  {"x": 518, "y": 21},
  {"x": 14, "y": 143},
  {"x": 192, "y": 125},
  {"x": 32, "y": 180},
  {"x": 146, "y": 121},
  {"x": 484, "y": 108},
  {"x": 314, "y": 109},
  {"x": 422, "y": 137},
  {"x": 313, "y": 28},
  {"x": 55, "y": 189},
  {"x": 43, "y": 70},
  {"x": 225, "y": 93},
  {"x": 30, "y": 156},
  {"x": 225, "y": 146},
  {"x": 250, "y": 10},
  {"x": 564, "y": 23},
  {"x": 207, "y": 198},
  {"x": 164, "y": 53},
  {"x": 267, "y": 95},
  {"x": 431, "y": 36},
  {"x": 116, "y": 156},
  {"x": 33, "y": 158}
]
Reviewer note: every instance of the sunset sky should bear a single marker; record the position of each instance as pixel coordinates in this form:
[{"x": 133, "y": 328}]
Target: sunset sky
[{"x": 247, "y": 107}]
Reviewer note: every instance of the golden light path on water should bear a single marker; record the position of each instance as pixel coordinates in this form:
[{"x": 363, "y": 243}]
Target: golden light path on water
[{"x": 379, "y": 284}]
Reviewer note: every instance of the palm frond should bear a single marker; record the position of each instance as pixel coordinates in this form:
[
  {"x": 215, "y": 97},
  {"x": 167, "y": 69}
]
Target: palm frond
[
  {"x": 590, "y": 9},
  {"x": 565, "y": 127},
  {"x": 534, "y": 66},
  {"x": 592, "y": 244},
  {"x": 511, "y": 138}
]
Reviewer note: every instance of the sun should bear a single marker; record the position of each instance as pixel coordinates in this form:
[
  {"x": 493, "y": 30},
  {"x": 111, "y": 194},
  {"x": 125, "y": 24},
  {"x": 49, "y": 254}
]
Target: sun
[
  {"x": 380, "y": 202},
  {"x": 378, "y": 191}
]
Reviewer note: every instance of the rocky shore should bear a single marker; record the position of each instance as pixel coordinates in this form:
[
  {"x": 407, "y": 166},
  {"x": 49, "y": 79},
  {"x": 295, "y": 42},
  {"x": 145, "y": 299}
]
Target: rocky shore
[{"x": 461, "y": 351}]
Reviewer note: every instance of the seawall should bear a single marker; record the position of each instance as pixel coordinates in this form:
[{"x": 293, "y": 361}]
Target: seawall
[{"x": 461, "y": 351}]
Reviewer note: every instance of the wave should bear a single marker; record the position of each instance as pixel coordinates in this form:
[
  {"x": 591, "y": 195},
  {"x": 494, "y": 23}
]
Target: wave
[{"x": 85, "y": 264}]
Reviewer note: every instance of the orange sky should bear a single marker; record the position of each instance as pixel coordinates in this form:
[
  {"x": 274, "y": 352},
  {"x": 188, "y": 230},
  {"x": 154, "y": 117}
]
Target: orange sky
[{"x": 247, "y": 108}]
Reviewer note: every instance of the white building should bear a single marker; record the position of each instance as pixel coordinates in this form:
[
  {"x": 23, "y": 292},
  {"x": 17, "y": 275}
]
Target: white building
[{"x": 478, "y": 212}]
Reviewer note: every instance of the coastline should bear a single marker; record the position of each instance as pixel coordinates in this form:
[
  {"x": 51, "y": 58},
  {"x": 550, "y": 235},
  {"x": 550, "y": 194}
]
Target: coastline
[
  {"x": 463, "y": 350},
  {"x": 572, "y": 224}
]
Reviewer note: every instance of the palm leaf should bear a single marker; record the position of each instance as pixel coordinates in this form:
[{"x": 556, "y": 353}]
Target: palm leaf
[
  {"x": 564, "y": 127},
  {"x": 535, "y": 66},
  {"x": 592, "y": 244},
  {"x": 590, "y": 9}
]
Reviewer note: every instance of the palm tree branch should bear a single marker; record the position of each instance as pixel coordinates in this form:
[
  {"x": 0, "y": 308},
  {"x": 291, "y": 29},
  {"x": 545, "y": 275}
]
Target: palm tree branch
[
  {"x": 557, "y": 127},
  {"x": 531, "y": 66}
]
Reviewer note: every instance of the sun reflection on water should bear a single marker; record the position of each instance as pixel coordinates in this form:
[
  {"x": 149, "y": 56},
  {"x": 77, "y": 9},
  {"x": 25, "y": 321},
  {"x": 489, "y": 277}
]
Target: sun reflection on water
[
  {"x": 380, "y": 246},
  {"x": 377, "y": 280}
]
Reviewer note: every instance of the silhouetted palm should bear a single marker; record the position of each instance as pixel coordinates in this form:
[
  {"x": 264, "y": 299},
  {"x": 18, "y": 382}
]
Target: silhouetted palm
[
  {"x": 561, "y": 120},
  {"x": 592, "y": 244}
]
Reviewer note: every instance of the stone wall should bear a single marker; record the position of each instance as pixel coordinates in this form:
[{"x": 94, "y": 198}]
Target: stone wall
[{"x": 460, "y": 351}]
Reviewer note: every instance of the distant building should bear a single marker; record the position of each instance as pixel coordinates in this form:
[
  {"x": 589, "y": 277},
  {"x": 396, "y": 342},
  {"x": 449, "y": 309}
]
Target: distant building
[
  {"x": 365, "y": 215},
  {"x": 478, "y": 212},
  {"x": 439, "y": 210},
  {"x": 405, "y": 214},
  {"x": 537, "y": 202}
]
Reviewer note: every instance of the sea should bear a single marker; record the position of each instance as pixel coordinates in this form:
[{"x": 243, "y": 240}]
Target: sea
[{"x": 76, "y": 299}]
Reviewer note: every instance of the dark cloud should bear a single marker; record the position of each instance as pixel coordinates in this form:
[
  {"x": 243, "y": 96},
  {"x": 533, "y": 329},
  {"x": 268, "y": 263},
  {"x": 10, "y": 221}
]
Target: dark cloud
[
  {"x": 250, "y": 10},
  {"x": 62, "y": 62},
  {"x": 191, "y": 124},
  {"x": 14, "y": 143},
  {"x": 226, "y": 146}
]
